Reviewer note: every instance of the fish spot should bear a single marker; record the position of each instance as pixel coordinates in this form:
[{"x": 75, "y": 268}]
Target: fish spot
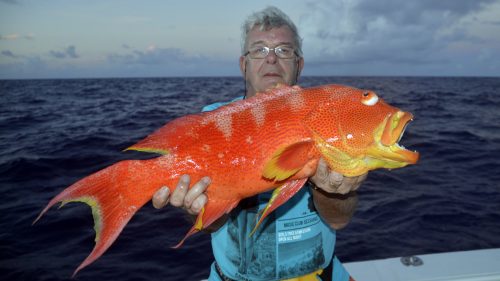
[
  {"x": 206, "y": 148},
  {"x": 295, "y": 100},
  {"x": 220, "y": 155},
  {"x": 249, "y": 140},
  {"x": 225, "y": 124},
  {"x": 166, "y": 160},
  {"x": 349, "y": 136},
  {"x": 332, "y": 139},
  {"x": 259, "y": 114}
]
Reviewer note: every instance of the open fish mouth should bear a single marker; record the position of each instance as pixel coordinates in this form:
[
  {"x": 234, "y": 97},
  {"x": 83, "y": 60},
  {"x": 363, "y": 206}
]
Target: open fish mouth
[{"x": 388, "y": 136}]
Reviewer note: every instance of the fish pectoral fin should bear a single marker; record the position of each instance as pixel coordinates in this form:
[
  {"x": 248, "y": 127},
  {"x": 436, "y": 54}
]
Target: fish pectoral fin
[
  {"x": 288, "y": 160},
  {"x": 213, "y": 210},
  {"x": 280, "y": 195}
]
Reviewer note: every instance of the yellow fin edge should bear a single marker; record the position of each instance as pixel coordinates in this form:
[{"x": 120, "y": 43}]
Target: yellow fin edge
[
  {"x": 149, "y": 150},
  {"x": 272, "y": 170},
  {"x": 96, "y": 212}
]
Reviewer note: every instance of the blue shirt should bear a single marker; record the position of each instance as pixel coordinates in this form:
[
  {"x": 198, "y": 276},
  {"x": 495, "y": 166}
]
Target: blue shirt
[{"x": 292, "y": 241}]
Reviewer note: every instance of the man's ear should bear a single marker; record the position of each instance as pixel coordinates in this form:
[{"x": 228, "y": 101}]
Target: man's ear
[
  {"x": 300, "y": 65},
  {"x": 243, "y": 66}
]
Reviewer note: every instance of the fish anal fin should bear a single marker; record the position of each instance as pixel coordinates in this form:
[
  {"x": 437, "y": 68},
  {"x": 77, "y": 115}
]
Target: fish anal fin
[
  {"x": 288, "y": 160},
  {"x": 280, "y": 195},
  {"x": 213, "y": 210}
]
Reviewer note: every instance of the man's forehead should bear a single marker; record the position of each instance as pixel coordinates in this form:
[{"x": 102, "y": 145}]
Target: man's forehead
[{"x": 276, "y": 35}]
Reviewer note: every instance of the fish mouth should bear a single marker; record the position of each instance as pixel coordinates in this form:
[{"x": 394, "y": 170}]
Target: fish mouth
[{"x": 387, "y": 138}]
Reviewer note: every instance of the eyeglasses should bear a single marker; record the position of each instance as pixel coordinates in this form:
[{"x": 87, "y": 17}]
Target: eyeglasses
[{"x": 261, "y": 52}]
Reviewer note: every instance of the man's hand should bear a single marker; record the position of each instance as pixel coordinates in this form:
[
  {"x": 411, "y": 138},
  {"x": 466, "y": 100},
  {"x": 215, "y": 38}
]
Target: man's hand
[
  {"x": 336, "y": 197},
  {"x": 333, "y": 182},
  {"x": 190, "y": 199}
]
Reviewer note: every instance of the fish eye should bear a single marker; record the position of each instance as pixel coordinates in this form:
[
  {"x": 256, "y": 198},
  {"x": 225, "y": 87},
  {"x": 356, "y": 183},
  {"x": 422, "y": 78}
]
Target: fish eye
[{"x": 369, "y": 98}]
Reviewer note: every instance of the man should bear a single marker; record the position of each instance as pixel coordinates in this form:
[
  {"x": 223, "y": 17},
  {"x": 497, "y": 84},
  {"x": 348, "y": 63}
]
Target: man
[{"x": 298, "y": 238}]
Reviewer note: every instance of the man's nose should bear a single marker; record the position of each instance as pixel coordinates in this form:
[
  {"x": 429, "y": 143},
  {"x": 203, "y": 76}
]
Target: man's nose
[{"x": 271, "y": 57}]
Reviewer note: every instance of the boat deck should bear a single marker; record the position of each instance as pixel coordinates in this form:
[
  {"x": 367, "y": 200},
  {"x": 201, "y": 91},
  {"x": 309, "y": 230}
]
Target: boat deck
[{"x": 477, "y": 265}]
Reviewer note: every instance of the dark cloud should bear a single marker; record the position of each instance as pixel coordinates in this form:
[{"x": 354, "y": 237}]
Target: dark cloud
[
  {"x": 410, "y": 33},
  {"x": 57, "y": 54},
  {"x": 9, "y": 54},
  {"x": 492, "y": 22},
  {"x": 69, "y": 52},
  {"x": 417, "y": 12}
]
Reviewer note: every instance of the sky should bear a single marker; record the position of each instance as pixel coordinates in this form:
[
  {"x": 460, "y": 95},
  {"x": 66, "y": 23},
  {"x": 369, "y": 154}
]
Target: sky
[{"x": 153, "y": 38}]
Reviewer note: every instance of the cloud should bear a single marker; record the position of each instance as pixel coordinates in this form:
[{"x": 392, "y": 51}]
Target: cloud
[
  {"x": 9, "y": 54},
  {"x": 16, "y": 36},
  {"x": 69, "y": 52},
  {"x": 57, "y": 54},
  {"x": 25, "y": 67},
  {"x": 154, "y": 56},
  {"x": 411, "y": 33},
  {"x": 9, "y": 37},
  {"x": 156, "y": 61}
]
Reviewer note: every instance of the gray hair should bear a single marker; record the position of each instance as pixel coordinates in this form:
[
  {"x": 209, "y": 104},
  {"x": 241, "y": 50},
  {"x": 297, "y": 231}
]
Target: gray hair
[{"x": 266, "y": 19}]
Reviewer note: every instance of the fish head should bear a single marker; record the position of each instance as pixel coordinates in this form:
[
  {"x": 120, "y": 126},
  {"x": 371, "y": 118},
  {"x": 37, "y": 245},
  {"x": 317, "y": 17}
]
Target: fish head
[{"x": 356, "y": 131}]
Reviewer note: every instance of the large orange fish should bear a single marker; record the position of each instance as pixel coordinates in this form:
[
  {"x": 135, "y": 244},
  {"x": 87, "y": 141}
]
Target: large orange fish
[{"x": 273, "y": 140}]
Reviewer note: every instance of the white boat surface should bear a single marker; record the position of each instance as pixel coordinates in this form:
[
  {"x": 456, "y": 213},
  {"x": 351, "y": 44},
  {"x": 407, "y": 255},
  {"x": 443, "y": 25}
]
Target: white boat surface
[{"x": 475, "y": 265}]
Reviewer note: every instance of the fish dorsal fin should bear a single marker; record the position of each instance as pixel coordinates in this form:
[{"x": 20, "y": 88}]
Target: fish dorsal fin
[
  {"x": 182, "y": 130},
  {"x": 280, "y": 195},
  {"x": 288, "y": 160}
]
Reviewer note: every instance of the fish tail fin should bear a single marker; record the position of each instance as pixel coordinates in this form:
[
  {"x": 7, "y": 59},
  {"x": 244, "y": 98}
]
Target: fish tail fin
[
  {"x": 114, "y": 195},
  {"x": 213, "y": 210}
]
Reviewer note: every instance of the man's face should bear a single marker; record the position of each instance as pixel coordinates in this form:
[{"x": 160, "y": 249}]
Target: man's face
[{"x": 262, "y": 74}]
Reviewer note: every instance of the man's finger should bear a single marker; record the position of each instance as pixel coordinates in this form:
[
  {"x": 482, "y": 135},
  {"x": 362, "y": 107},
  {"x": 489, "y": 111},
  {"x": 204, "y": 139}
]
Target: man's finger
[
  {"x": 322, "y": 171},
  {"x": 347, "y": 185},
  {"x": 160, "y": 198},
  {"x": 335, "y": 180},
  {"x": 177, "y": 198},
  {"x": 196, "y": 190},
  {"x": 198, "y": 204}
]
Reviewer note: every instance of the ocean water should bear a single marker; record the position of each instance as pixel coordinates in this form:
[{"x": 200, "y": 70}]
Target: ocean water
[{"x": 54, "y": 132}]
